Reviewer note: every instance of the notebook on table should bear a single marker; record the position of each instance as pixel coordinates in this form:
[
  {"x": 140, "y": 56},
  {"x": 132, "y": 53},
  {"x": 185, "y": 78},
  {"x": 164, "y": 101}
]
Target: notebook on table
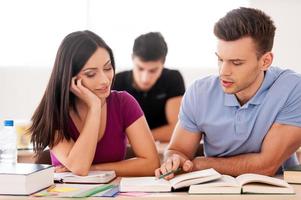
[
  {"x": 24, "y": 178},
  {"x": 94, "y": 177}
]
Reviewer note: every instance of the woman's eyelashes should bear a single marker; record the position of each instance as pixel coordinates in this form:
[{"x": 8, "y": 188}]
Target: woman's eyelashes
[
  {"x": 90, "y": 74},
  {"x": 108, "y": 67}
]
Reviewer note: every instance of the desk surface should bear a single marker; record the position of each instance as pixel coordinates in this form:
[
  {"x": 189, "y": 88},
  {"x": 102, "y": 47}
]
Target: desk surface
[
  {"x": 180, "y": 196},
  {"x": 177, "y": 195}
]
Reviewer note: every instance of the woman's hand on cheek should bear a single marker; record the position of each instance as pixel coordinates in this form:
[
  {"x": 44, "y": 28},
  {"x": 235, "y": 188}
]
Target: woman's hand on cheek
[{"x": 84, "y": 93}]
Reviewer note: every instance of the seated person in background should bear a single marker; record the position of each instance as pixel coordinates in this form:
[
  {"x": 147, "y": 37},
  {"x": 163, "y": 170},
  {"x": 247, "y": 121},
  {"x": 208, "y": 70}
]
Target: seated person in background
[
  {"x": 250, "y": 115},
  {"x": 157, "y": 89},
  {"x": 83, "y": 122}
]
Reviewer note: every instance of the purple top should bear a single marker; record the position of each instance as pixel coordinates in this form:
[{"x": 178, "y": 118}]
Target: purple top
[{"x": 122, "y": 111}]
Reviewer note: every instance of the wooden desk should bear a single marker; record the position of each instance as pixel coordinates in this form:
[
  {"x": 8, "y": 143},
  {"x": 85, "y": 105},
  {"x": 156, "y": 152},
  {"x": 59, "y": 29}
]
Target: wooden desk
[{"x": 180, "y": 196}]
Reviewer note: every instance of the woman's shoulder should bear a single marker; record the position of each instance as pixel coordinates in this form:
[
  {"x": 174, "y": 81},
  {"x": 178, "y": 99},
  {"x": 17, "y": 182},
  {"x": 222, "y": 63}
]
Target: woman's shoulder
[
  {"x": 122, "y": 98},
  {"x": 126, "y": 104}
]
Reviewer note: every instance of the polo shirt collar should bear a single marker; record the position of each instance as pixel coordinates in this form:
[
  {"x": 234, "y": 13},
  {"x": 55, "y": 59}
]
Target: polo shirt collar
[{"x": 269, "y": 79}]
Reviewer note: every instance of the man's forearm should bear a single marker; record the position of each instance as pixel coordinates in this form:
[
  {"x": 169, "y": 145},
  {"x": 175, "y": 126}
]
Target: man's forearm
[{"x": 237, "y": 165}]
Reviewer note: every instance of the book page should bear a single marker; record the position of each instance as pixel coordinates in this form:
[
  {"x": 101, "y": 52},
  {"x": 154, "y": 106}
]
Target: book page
[
  {"x": 261, "y": 188},
  {"x": 224, "y": 185},
  {"x": 224, "y": 181},
  {"x": 144, "y": 184},
  {"x": 257, "y": 178},
  {"x": 193, "y": 175}
]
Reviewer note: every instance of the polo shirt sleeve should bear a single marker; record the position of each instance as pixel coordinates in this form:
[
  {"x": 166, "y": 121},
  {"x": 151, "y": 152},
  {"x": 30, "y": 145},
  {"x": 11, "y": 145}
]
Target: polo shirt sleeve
[
  {"x": 130, "y": 109},
  {"x": 176, "y": 83},
  {"x": 290, "y": 114},
  {"x": 187, "y": 115}
]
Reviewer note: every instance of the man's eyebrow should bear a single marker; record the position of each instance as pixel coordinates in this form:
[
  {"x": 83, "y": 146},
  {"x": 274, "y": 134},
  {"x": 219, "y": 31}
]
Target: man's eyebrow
[{"x": 234, "y": 59}]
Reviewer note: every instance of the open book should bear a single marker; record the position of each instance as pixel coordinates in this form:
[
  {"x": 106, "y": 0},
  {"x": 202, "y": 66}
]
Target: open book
[
  {"x": 92, "y": 177},
  {"x": 152, "y": 184},
  {"x": 246, "y": 183}
]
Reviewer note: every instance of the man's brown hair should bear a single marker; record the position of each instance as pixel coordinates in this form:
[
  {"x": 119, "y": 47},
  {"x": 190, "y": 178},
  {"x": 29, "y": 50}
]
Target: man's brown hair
[{"x": 247, "y": 22}]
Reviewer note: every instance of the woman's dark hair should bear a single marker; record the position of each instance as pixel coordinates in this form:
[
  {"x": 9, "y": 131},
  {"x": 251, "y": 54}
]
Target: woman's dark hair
[
  {"x": 244, "y": 22},
  {"x": 52, "y": 114}
]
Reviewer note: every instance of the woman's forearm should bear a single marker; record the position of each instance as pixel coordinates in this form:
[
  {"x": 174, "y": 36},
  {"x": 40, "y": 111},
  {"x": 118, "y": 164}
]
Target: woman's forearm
[
  {"x": 82, "y": 153},
  {"x": 130, "y": 167}
]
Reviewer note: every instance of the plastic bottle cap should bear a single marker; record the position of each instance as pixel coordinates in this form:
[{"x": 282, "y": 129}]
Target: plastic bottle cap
[{"x": 8, "y": 122}]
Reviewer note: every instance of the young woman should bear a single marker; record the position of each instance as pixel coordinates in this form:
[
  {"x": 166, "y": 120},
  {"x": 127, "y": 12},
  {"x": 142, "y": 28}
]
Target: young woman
[{"x": 83, "y": 122}]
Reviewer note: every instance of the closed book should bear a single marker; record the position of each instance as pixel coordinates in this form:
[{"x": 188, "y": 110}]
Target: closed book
[
  {"x": 243, "y": 184},
  {"x": 293, "y": 174},
  {"x": 153, "y": 184},
  {"x": 94, "y": 177},
  {"x": 24, "y": 178}
]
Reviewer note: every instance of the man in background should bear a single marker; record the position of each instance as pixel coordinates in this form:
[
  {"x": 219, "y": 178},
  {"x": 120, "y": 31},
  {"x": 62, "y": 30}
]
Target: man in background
[{"x": 158, "y": 90}]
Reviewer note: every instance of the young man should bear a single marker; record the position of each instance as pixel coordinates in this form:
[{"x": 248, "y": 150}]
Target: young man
[
  {"x": 250, "y": 115},
  {"x": 157, "y": 89}
]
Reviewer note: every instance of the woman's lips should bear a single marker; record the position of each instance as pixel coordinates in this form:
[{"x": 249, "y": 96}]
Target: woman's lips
[{"x": 102, "y": 90}]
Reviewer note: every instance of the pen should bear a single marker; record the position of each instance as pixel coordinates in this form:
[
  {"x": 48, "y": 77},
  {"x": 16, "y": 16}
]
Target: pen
[{"x": 171, "y": 172}]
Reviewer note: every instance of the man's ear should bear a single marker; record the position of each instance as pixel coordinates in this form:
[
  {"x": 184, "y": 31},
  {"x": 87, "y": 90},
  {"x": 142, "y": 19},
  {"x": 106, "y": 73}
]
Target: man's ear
[{"x": 266, "y": 60}]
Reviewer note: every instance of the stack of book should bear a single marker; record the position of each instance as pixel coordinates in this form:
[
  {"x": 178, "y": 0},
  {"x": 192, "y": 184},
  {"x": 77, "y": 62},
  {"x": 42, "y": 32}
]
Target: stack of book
[{"x": 24, "y": 179}]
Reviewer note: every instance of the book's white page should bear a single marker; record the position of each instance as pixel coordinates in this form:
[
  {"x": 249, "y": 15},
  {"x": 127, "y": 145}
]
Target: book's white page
[
  {"x": 224, "y": 185},
  {"x": 194, "y": 175},
  {"x": 144, "y": 184},
  {"x": 189, "y": 182},
  {"x": 257, "y": 178},
  {"x": 224, "y": 181},
  {"x": 261, "y": 188}
]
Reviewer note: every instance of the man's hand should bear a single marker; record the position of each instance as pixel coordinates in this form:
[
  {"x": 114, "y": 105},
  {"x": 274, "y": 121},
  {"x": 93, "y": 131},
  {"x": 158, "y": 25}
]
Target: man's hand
[{"x": 173, "y": 163}]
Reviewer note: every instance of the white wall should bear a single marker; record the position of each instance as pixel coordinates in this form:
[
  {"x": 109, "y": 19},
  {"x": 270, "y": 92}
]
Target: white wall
[
  {"x": 287, "y": 44},
  {"x": 22, "y": 88}
]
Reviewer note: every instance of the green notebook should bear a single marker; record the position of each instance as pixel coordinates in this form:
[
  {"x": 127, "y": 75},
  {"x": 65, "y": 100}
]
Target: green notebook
[
  {"x": 74, "y": 190},
  {"x": 93, "y": 191}
]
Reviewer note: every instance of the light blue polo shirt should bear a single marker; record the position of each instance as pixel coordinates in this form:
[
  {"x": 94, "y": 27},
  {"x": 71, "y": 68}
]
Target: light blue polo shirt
[{"x": 230, "y": 129}]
